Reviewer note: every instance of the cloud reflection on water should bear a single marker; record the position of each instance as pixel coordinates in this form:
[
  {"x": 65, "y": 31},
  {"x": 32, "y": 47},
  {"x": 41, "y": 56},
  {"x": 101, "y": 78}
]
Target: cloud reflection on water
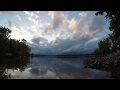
[{"x": 57, "y": 68}]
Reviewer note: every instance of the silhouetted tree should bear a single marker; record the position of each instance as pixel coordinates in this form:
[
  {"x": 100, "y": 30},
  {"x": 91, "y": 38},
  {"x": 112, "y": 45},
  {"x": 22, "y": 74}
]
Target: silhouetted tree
[
  {"x": 12, "y": 46},
  {"x": 4, "y": 36},
  {"x": 104, "y": 47},
  {"x": 12, "y": 63},
  {"x": 114, "y": 17},
  {"x": 4, "y": 32}
]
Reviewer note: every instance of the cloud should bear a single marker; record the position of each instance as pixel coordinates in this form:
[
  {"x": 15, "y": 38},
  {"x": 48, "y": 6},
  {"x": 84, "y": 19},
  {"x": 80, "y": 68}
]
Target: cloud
[
  {"x": 40, "y": 49},
  {"x": 36, "y": 22},
  {"x": 71, "y": 35},
  {"x": 98, "y": 23},
  {"x": 61, "y": 34},
  {"x": 36, "y": 40},
  {"x": 13, "y": 26},
  {"x": 72, "y": 23},
  {"x": 39, "y": 40},
  {"x": 31, "y": 14},
  {"x": 33, "y": 17},
  {"x": 17, "y": 16},
  {"x": 60, "y": 46},
  {"x": 69, "y": 27},
  {"x": 37, "y": 12},
  {"x": 56, "y": 19},
  {"x": 61, "y": 26},
  {"x": 57, "y": 32}
]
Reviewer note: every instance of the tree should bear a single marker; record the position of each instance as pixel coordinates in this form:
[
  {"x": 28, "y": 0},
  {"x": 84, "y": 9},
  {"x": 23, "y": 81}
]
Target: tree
[
  {"x": 24, "y": 41},
  {"x": 104, "y": 47},
  {"x": 12, "y": 46},
  {"x": 97, "y": 51},
  {"x": 4, "y": 36},
  {"x": 18, "y": 48},
  {"x": 4, "y": 32},
  {"x": 114, "y": 17}
]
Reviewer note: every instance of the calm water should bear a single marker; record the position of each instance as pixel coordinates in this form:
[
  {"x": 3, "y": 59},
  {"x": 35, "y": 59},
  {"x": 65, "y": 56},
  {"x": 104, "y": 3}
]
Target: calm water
[{"x": 48, "y": 68}]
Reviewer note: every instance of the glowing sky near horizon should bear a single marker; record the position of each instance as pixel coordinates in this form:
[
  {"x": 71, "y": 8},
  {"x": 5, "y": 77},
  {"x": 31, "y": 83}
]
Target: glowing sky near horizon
[{"x": 56, "y": 32}]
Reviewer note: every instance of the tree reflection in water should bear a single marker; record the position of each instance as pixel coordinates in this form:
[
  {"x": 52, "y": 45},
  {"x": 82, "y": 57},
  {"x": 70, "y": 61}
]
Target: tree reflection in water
[
  {"x": 15, "y": 63},
  {"x": 115, "y": 71},
  {"x": 20, "y": 64}
]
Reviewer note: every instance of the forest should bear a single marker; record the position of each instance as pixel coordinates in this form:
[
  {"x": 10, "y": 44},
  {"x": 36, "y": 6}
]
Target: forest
[{"x": 12, "y": 47}]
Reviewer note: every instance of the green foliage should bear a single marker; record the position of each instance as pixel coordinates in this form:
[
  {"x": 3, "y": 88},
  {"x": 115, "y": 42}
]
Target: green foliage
[
  {"x": 104, "y": 47},
  {"x": 12, "y": 46},
  {"x": 4, "y": 35},
  {"x": 96, "y": 51},
  {"x": 4, "y": 32},
  {"x": 114, "y": 17}
]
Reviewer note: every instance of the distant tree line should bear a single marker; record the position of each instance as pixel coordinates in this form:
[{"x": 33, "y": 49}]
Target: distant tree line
[
  {"x": 112, "y": 43},
  {"x": 12, "y": 47}
]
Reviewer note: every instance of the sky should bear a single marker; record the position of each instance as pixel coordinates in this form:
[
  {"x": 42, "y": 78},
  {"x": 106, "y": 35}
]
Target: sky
[{"x": 57, "y": 32}]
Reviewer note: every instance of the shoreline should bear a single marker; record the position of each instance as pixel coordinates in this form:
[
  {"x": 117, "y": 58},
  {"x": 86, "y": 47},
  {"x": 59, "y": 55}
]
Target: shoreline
[{"x": 110, "y": 63}]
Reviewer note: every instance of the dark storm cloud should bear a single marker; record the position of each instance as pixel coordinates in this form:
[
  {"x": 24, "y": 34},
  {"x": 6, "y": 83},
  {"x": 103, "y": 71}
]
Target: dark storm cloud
[
  {"x": 78, "y": 45},
  {"x": 40, "y": 45},
  {"x": 38, "y": 40},
  {"x": 70, "y": 45},
  {"x": 38, "y": 49}
]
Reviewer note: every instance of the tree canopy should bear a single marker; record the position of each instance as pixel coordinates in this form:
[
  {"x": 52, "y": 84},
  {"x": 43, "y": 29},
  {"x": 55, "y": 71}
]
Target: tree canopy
[
  {"x": 12, "y": 46},
  {"x": 114, "y": 17},
  {"x": 104, "y": 47}
]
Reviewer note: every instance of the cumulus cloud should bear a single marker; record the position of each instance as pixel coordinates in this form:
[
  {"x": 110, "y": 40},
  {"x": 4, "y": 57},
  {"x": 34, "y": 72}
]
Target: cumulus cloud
[
  {"x": 61, "y": 34},
  {"x": 56, "y": 19},
  {"x": 72, "y": 23},
  {"x": 17, "y": 16},
  {"x": 31, "y": 14},
  {"x": 13, "y": 26},
  {"x": 33, "y": 17},
  {"x": 61, "y": 26},
  {"x": 97, "y": 23},
  {"x": 36, "y": 22},
  {"x": 71, "y": 35},
  {"x": 69, "y": 27}
]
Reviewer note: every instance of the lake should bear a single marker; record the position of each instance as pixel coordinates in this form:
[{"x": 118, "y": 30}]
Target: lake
[{"x": 48, "y": 68}]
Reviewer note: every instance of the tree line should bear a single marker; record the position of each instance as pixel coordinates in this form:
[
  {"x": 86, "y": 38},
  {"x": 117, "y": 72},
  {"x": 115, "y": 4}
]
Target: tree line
[
  {"x": 12, "y": 47},
  {"x": 112, "y": 42}
]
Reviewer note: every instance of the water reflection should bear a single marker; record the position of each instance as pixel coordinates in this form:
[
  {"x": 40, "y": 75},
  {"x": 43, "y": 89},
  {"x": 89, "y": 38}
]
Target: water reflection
[
  {"x": 115, "y": 71},
  {"x": 60, "y": 68},
  {"x": 12, "y": 64},
  {"x": 51, "y": 68}
]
